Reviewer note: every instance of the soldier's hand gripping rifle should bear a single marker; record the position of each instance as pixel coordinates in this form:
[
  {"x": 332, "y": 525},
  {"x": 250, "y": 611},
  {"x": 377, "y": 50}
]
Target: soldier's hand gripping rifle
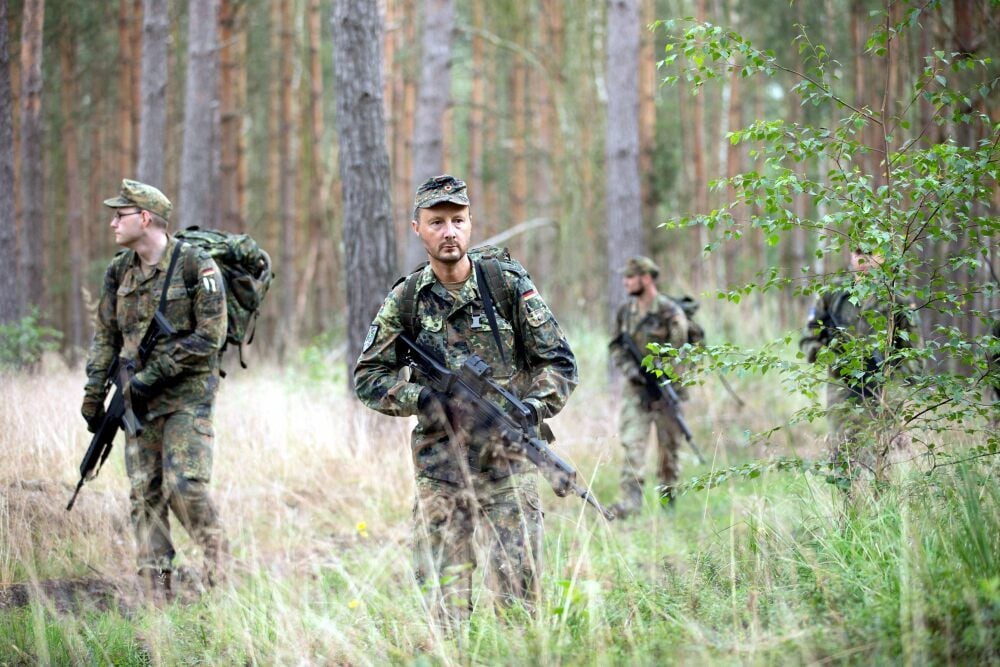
[
  {"x": 658, "y": 392},
  {"x": 468, "y": 387},
  {"x": 119, "y": 413}
]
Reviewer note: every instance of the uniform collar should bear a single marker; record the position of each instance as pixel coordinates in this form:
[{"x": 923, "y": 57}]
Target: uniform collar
[
  {"x": 469, "y": 291},
  {"x": 164, "y": 262}
]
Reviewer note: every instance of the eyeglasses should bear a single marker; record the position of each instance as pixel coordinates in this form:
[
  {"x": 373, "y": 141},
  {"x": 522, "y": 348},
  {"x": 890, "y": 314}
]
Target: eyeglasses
[{"x": 119, "y": 215}]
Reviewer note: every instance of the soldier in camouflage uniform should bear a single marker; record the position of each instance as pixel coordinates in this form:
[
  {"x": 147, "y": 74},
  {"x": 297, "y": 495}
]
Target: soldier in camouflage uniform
[
  {"x": 648, "y": 317},
  {"x": 454, "y": 504},
  {"x": 854, "y": 409},
  {"x": 170, "y": 463}
]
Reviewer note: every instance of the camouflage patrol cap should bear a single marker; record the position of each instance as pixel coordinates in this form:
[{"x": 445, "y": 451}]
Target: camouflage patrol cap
[
  {"x": 639, "y": 265},
  {"x": 440, "y": 189},
  {"x": 134, "y": 193}
]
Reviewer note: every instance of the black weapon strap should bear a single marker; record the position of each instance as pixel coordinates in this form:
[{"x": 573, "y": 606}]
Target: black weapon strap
[
  {"x": 170, "y": 274},
  {"x": 491, "y": 316}
]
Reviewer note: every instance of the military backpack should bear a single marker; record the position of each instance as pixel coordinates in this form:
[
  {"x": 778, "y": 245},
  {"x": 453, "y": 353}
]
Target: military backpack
[
  {"x": 696, "y": 333},
  {"x": 246, "y": 272},
  {"x": 497, "y": 293}
]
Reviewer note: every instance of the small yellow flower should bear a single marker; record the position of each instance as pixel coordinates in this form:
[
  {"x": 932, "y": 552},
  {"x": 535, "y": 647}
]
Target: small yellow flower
[
  {"x": 362, "y": 528},
  {"x": 353, "y": 604}
]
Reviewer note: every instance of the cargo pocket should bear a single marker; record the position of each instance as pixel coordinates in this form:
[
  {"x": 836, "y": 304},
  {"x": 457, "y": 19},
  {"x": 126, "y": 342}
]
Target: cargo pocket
[
  {"x": 178, "y": 308},
  {"x": 195, "y": 454}
]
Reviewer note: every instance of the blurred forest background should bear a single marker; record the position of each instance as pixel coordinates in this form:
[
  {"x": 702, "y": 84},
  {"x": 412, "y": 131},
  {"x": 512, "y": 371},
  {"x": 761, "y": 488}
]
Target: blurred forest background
[{"x": 552, "y": 111}]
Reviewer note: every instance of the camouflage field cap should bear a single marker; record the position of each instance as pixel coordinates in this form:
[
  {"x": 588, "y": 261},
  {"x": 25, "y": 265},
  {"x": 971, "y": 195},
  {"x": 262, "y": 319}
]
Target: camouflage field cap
[
  {"x": 134, "y": 193},
  {"x": 639, "y": 265},
  {"x": 440, "y": 189}
]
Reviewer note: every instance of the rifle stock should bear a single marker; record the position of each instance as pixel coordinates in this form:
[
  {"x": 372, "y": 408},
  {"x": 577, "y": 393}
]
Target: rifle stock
[
  {"x": 467, "y": 388},
  {"x": 655, "y": 391},
  {"x": 119, "y": 413}
]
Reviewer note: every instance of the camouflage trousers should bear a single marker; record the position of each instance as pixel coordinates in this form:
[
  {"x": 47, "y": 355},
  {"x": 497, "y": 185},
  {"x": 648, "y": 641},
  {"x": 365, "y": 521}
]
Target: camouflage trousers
[
  {"x": 634, "y": 425},
  {"x": 497, "y": 522},
  {"x": 169, "y": 466}
]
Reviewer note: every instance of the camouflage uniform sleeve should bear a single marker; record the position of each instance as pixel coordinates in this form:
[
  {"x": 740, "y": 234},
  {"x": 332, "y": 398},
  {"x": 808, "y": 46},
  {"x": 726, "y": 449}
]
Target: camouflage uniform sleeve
[
  {"x": 376, "y": 380},
  {"x": 551, "y": 365},
  {"x": 190, "y": 352},
  {"x": 107, "y": 342},
  {"x": 814, "y": 336}
]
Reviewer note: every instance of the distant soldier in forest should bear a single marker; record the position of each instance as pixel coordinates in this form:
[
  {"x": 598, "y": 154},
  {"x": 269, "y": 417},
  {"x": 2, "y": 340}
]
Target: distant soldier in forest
[
  {"x": 463, "y": 303},
  {"x": 861, "y": 430},
  {"x": 647, "y": 316},
  {"x": 169, "y": 461}
]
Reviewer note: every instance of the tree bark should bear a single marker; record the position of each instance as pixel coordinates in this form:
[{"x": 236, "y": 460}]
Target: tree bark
[
  {"x": 196, "y": 204},
  {"x": 287, "y": 159},
  {"x": 369, "y": 241},
  {"x": 623, "y": 196},
  {"x": 11, "y": 297},
  {"x": 153, "y": 87},
  {"x": 74, "y": 203},
  {"x": 123, "y": 89},
  {"x": 232, "y": 100},
  {"x": 433, "y": 98},
  {"x": 32, "y": 246}
]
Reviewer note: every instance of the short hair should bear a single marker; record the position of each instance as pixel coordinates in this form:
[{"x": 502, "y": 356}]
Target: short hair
[{"x": 158, "y": 219}]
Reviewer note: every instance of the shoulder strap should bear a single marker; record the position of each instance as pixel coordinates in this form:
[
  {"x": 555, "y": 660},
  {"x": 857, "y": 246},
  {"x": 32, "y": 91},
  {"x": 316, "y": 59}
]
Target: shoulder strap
[
  {"x": 484, "y": 293},
  {"x": 190, "y": 269},
  {"x": 408, "y": 305},
  {"x": 170, "y": 274},
  {"x": 499, "y": 288}
]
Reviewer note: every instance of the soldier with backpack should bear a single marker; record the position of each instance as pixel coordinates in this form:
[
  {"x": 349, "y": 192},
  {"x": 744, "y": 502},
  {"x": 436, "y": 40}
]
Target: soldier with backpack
[
  {"x": 462, "y": 303},
  {"x": 169, "y": 456},
  {"x": 647, "y": 317}
]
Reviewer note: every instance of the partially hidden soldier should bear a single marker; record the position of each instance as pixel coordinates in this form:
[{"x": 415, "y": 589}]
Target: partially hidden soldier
[
  {"x": 462, "y": 502},
  {"x": 169, "y": 462},
  {"x": 647, "y": 316},
  {"x": 861, "y": 429}
]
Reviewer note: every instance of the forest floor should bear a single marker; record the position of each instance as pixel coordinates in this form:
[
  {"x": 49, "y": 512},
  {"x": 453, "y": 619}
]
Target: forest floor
[{"x": 316, "y": 495}]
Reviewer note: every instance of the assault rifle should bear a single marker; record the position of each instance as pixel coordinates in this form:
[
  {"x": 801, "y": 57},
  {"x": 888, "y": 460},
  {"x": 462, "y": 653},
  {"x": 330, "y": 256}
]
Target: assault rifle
[
  {"x": 657, "y": 391},
  {"x": 119, "y": 413},
  {"x": 468, "y": 387}
]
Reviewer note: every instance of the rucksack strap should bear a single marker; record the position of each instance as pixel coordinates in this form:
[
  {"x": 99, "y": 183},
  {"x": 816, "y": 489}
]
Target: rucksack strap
[
  {"x": 498, "y": 287},
  {"x": 491, "y": 316},
  {"x": 408, "y": 305}
]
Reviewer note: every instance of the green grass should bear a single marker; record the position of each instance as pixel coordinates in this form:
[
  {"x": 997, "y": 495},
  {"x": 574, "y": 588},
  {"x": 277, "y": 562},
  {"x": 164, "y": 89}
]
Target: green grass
[
  {"x": 767, "y": 571},
  {"x": 771, "y": 570}
]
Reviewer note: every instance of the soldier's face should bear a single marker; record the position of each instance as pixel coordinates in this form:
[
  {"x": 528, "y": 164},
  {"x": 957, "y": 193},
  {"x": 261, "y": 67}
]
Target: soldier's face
[
  {"x": 862, "y": 262},
  {"x": 637, "y": 284},
  {"x": 444, "y": 230},
  {"x": 128, "y": 226}
]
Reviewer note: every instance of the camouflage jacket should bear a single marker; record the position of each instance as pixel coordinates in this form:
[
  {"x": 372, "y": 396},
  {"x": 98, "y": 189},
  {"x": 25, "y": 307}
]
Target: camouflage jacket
[
  {"x": 183, "y": 371},
  {"x": 540, "y": 367},
  {"x": 835, "y": 319},
  {"x": 664, "y": 323}
]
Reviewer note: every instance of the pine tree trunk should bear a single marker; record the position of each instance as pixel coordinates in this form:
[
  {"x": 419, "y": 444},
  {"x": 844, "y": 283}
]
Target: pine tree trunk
[
  {"x": 319, "y": 213},
  {"x": 232, "y": 74},
  {"x": 11, "y": 296},
  {"x": 433, "y": 99},
  {"x": 196, "y": 204},
  {"x": 74, "y": 203},
  {"x": 123, "y": 89},
  {"x": 32, "y": 247},
  {"x": 369, "y": 246},
  {"x": 623, "y": 197},
  {"x": 287, "y": 159},
  {"x": 153, "y": 87}
]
